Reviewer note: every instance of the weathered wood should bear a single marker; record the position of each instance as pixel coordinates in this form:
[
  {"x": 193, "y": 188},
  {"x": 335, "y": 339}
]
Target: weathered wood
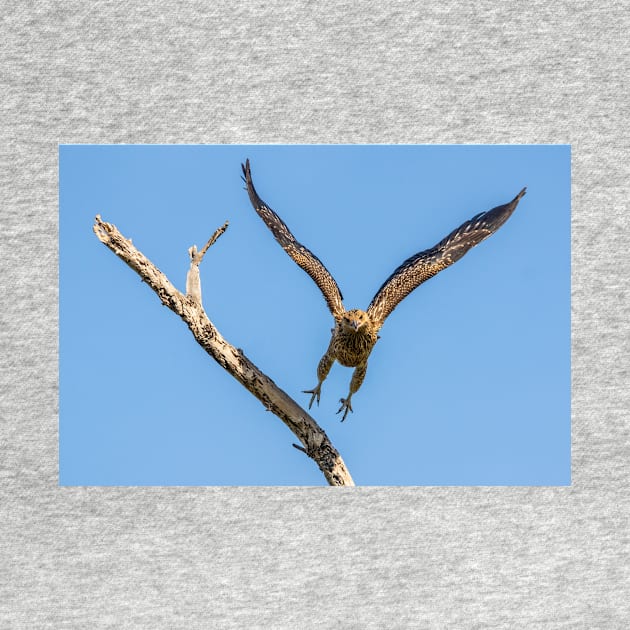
[{"x": 316, "y": 443}]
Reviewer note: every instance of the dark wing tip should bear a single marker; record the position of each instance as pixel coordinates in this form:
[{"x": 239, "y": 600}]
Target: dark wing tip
[
  {"x": 246, "y": 169},
  {"x": 493, "y": 219},
  {"x": 249, "y": 185},
  {"x": 247, "y": 174}
]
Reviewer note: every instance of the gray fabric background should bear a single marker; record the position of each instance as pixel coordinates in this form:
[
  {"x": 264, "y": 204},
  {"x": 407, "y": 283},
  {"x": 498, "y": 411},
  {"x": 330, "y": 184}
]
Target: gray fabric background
[{"x": 228, "y": 72}]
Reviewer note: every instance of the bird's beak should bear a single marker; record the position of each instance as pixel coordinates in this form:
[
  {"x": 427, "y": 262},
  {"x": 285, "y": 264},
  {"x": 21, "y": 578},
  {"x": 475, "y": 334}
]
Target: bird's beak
[{"x": 355, "y": 324}]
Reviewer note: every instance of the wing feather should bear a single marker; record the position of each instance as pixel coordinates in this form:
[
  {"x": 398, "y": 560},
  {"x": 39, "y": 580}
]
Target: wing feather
[
  {"x": 302, "y": 256},
  {"x": 424, "y": 265}
]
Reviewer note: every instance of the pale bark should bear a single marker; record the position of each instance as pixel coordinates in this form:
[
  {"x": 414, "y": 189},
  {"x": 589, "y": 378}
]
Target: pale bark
[{"x": 316, "y": 443}]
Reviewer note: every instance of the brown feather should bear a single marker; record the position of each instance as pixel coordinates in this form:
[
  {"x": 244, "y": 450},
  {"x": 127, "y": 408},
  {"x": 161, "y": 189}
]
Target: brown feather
[
  {"x": 424, "y": 265},
  {"x": 302, "y": 256}
]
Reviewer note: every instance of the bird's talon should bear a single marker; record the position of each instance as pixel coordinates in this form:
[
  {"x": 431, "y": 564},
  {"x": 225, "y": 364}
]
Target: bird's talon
[
  {"x": 345, "y": 404},
  {"x": 316, "y": 393}
]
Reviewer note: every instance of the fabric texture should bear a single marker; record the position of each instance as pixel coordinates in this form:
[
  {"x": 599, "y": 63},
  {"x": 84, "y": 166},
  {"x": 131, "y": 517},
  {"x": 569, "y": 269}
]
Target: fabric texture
[{"x": 300, "y": 72}]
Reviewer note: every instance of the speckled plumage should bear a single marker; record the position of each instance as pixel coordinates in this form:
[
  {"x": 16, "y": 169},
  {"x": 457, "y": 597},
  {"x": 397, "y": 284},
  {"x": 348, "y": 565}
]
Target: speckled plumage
[{"x": 356, "y": 331}]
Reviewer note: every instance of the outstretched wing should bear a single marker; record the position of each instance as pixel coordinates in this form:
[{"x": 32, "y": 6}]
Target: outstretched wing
[
  {"x": 424, "y": 265},
  {"x": 300, "y": 254}
]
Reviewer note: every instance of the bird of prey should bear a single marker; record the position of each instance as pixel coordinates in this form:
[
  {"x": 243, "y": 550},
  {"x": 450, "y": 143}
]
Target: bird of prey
[{"x": 356, "y": 331}]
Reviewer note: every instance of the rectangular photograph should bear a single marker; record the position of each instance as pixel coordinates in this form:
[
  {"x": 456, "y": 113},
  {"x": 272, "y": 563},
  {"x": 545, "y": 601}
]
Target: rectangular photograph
[{"x": 306, "y": 315}]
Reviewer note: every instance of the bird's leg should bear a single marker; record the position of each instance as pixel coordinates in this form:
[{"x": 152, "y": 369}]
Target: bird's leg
[
  {"x": 325, "y": 363},
  {"x": 357, "y": 378}
]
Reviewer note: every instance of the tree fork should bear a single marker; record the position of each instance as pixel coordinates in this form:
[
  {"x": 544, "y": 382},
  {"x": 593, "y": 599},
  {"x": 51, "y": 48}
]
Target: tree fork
[{"x": 315, "y": 442}]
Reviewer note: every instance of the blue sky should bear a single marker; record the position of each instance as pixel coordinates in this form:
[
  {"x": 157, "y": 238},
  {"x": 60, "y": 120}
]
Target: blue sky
[{"x": 468, "y": 385}]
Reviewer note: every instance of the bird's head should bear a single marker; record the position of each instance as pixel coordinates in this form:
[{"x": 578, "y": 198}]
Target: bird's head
[{"x": 354, "y": 320}]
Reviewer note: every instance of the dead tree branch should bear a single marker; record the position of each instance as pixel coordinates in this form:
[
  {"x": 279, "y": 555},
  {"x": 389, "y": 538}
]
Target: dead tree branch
[
  {"x": 193, "y": 279},
  {"x": 314, "y": 440}
]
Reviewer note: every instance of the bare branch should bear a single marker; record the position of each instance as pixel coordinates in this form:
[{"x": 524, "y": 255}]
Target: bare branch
[
  {"x": 316, "y": 443},
  {"x": 211, "y": 241},
  {"x": 193, "y": 279}
]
